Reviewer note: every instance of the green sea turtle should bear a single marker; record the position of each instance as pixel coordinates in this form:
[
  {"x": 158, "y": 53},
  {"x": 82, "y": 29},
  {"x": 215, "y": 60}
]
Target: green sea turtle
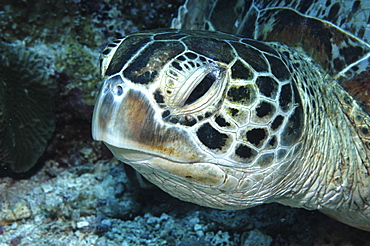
[{"x": 229, "y": 122}]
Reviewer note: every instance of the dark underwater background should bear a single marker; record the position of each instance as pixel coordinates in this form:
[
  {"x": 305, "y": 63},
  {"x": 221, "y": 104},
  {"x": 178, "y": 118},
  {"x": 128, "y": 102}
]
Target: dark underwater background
[{"x": 59, "y": 187}]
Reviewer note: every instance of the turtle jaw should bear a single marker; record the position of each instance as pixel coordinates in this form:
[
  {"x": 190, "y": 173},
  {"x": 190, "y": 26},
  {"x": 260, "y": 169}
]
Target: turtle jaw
[
  {"x": 207, "y": 174},
  {"x": 192, "y": 182}
]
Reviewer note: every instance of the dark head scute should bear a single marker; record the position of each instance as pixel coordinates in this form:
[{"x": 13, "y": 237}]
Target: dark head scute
[
  {"x": 124, "y": 52},
  {"x": 187, "y": 120},
  {"x": 265, "y": 110},
  {"x": 276, "y": 123},
  {"x": 261, "y": 46},
  {"x": 165, "y": 114},
  {"x": 169, "y": 36},
  {"x": 256, "y": 136},
  {"x": 158, "y": 97},
  {"x": 251, "y": 56},
  {"x": 233, "y": 111},
  {"x": 221, "y": 121},
  {"x": 210, "y": 137},
  {"x": 278, "y": 68},
  {"x": 267, "y": 86},
  {"x": 286, "y": 97},
  {"x": 146, "y": 65},
  {"x": 240, "y": 71},
  {"x": 272, "y": 142},
  {"x": 246, "y": 153},
  {"x": 244, "y": 95},
  {"x": 212, "y": 48},
  {"x": 294, "y": 127}
]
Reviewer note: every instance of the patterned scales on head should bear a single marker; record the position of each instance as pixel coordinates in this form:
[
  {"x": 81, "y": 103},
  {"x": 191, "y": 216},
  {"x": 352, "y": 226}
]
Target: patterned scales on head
[{"x": 230, "y": 122}]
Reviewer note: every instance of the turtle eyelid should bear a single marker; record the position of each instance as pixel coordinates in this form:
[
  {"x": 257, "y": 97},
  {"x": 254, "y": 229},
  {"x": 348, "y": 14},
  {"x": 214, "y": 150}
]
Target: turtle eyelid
[{"x": 201, "y": 89}]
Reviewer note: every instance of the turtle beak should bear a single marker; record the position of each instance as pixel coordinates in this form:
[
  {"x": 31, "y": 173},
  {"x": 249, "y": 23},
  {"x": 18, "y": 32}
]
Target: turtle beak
[
  {"x": 108, "y": 118},
  {"x": 132, "y": 128}
]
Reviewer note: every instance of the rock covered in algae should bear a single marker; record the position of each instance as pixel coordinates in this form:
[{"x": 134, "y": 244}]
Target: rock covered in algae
[{"x": 26, "y": 107}]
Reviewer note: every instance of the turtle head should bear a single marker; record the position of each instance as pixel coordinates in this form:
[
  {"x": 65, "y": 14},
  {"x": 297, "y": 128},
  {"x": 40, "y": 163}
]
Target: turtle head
[{"x": 194, "y": 117}]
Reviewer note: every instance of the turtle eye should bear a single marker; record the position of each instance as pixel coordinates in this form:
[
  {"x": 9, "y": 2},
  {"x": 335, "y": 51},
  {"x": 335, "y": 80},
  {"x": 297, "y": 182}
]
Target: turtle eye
[{"x": 201, "y": 89}]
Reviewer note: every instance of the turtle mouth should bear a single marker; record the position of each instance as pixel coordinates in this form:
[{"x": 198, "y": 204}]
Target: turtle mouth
[
  {"x": 203, "y": 173},
  {"x": 135, "y": 157},
  {"x": 129, "y": 156}
]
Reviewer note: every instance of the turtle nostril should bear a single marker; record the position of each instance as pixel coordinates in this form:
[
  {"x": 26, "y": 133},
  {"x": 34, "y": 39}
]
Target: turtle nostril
[{"x": 118, "y": 90}]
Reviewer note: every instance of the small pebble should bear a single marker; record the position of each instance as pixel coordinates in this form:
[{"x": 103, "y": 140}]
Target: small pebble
[
  {"x": 82, "y": 224},
  {"x": 16, "y": 241},
  {"x": 22, "y": 210}
]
